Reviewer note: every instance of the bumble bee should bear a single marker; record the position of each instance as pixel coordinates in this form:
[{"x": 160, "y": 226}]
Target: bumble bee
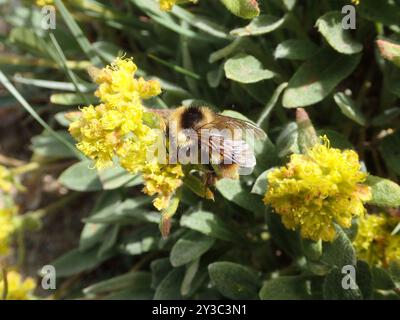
[{"x": 218, "y": 136}]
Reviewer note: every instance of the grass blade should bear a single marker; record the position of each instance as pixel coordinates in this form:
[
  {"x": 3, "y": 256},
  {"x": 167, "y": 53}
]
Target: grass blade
[
  {"x": 78, "y": 34},
  {"x": 10, "y": 87},
  {"x": 69, "y": 73}
]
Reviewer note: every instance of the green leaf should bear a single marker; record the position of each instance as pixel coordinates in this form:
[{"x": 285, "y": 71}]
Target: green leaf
[
  {"x": 197, "y": 186},
  {"x": 208, "y": 224},
  {"x": 115, "y": 177},
  {"x": 295, "y": 49},
  {"x": 261, "y": 184},
  {"x": 135, "y": 293},
  {"x": 382, "y": 280},
  {"x": 339, "y": 252},
  {"x": 129, "y": 210},
  {"x": 390, "y": 148},
  {"x": 141, "y": 240},
  {"x": 287, "y": 141},
  {"x": 61, "y": 119},
  {"x": 364, "y": 279},
  {"x": 307, "y": 136},
  {"x": 233, "y": 280},
  {"x": 159, "y": 270},
  {"x": 317, "y": 77},
  {"x": 91, "y": 234},
  {"x": 193, "y": 278},
  {"x": 262, "y": 119},
  {"x": 109, "y": 241},
  {"x": 203, "y": 24},
  {"x": 55, "y": 85},
  {"x": 245, "y": 68},
  {"x": 261, "y": 25},
  {"x": 333, "y": 289},
  {"x": 76, "y": 261},
  {"x": 81, "y": 177},
  {"x": 190, "y": 247},
  {"x": 228, "y": 50},
  {"x": 233, "y": 191},
  {"x": 246, "y": 9},
  {"x": 266, "y": 155},
  {"x": 46, "y": 145},
  {"x": 72, "y": 99},
  {"x": 287, "y": 240},
  {"x": 169, "y": 288},
  {"x": 349, "y": 108},
  {"x": 287, "y": 4},
  {"x": 285, "y": 288},
  {"x": 330, "y": 26},
  {"x": 394, "y": 268},
  {"x": 385, "y": 193},
  {"x": 29, "y": 40},
  {"x": 312, "y": 249},
  {"x": 127, "y": 280}
]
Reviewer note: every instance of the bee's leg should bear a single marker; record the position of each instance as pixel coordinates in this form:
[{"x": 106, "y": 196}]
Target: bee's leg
[{"x": 210, "y": 178}]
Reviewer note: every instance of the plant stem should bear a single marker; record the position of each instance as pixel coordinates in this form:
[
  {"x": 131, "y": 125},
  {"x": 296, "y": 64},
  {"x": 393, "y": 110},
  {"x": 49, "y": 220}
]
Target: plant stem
[
  {"x": 8, "y": 161},
  {"x": 5, "y": 281},
  {"x": 32, "y": 166}
]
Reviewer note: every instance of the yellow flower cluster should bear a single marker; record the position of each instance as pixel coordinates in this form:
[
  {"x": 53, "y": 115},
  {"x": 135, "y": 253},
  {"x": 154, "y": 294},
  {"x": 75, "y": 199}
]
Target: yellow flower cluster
[
  {"x": 42, "y": 3},
  {"x": 7, "y": 227},
  {"x": 167, "y": 5},
  {"x": 116, "y": 128},
  {"x": 6, "y": 181},
  {"x": 17, "y": 288},
  {"x": 162, "y": 180},
  {"x": 356, "y": 2},
  {"x": 318, "y": 189},
  {"x": 374, "y": 242}
]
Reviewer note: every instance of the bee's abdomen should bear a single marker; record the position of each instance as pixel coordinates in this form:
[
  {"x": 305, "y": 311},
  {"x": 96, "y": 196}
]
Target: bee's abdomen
[
  {"x": 190, "y": 117},
  {"x": 229, "y": 170}
]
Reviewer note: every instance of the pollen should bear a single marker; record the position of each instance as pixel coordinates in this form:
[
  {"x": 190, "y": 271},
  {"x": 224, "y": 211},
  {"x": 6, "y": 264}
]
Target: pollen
[
  {"x": 7, "y": 227},
  {"x": 375, "y": 242},
  {"x": 115, "y": 131},
  {"x": 167, "y": 5},
  {"x": 42, "y": 3},
  {"x": 17, "y": 287},
  {"x": 318, "y": 189}
]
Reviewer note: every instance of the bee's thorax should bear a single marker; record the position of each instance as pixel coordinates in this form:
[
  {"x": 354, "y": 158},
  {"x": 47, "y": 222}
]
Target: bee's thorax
[{"x": 191, "y": 117}]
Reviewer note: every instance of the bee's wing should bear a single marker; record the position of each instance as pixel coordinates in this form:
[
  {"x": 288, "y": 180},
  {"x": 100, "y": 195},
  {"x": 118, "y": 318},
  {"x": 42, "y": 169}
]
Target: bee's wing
[
  {"x": 222, "y": 122},
  {"x": 234, "y": 151}
]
